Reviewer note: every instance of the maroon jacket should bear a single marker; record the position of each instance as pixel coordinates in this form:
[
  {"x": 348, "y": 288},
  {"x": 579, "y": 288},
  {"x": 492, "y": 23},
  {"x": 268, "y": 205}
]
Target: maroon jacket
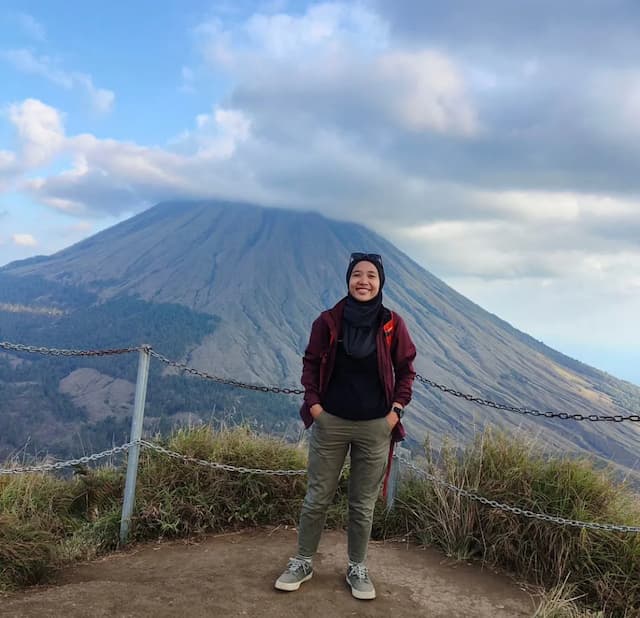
[{"x": 395, "y": 361}]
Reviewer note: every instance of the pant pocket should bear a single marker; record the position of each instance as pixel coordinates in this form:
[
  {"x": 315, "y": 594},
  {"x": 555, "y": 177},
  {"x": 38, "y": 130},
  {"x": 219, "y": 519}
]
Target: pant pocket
[{"x": 387, "y": 429}]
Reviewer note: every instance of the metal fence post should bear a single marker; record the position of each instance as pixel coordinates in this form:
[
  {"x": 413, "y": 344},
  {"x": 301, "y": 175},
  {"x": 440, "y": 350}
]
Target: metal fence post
[{"x": 136, "y": 434}]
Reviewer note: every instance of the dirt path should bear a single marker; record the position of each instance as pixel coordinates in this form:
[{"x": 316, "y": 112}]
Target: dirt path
[{"x": 233, "y": 575}]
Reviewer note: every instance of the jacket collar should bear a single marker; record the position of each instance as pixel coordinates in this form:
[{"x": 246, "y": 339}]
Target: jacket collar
[{"x": 333, "y": 316}]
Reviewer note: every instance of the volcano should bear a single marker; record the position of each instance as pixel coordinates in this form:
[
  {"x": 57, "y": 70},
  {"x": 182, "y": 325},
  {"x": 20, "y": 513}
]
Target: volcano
[{"x": 244, "y": 284}]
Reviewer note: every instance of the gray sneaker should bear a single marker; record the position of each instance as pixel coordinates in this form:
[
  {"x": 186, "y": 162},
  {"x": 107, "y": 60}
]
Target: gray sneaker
[
  {"x": 361, "y": 585},
  {"x": 297, "y": 572}
]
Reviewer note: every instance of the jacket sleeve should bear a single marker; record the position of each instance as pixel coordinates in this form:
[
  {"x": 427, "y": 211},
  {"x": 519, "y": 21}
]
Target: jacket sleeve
[
  {"x": 403, "y": 353},
  {"x": 314, "y": 356}
]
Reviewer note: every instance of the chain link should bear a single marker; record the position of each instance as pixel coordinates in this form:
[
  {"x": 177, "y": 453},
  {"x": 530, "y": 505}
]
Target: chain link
[
  {"x": 18, "y": 347},
  {"x": 71, "y": 462},
  {"x": 208, "y": 376},
  {"x": 618, "y": 418},
  {"x": 220, "y": 466},
  {"x": 514, "y": 509}
]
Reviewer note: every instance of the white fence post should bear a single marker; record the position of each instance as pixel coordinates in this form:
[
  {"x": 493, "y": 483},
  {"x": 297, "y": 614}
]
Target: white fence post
[{"x": 136, "y": 434}]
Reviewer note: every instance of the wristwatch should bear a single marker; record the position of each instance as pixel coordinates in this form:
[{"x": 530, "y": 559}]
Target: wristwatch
[{"x": 398, "y": 410}]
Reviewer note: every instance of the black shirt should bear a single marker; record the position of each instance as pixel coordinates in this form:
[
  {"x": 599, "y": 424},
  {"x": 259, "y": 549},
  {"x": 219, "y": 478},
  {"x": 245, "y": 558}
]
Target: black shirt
[{"x": 355, "y": 390}]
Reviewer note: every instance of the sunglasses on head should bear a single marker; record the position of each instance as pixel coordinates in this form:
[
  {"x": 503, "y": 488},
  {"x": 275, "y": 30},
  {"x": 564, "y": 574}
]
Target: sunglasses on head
[{"x": 369, "y": 257}]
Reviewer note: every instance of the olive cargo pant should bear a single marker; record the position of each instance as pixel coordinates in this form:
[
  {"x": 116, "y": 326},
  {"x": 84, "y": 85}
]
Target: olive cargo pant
[{"x": 331, "y": 439}]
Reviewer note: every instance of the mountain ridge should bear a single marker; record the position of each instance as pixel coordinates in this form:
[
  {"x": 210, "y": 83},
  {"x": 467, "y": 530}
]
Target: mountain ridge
[{"x": 266, "y": 273}]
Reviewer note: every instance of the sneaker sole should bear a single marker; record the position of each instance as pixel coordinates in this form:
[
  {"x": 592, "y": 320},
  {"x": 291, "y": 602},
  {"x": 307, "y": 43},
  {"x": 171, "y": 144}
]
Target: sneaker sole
[
  {"x": 360, "y": 595},
  {"x": 290, "y": 587}
]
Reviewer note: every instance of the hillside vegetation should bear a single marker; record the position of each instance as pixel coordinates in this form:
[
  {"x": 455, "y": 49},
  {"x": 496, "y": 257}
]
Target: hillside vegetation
[
  {"x": 46, "y": 522},
  {"x": 37, "y": 406}
]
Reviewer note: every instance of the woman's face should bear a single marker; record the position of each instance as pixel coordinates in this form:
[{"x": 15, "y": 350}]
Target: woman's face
[{"x": 364, "y": 283}]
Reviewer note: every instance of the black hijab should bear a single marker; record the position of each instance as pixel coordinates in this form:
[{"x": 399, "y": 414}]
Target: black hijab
[{"x": 362, "y": 319}]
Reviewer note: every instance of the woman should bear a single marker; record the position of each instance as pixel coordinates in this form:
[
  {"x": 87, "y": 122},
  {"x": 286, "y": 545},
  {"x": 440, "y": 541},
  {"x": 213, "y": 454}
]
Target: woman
[{"x": 357, "y": 374}]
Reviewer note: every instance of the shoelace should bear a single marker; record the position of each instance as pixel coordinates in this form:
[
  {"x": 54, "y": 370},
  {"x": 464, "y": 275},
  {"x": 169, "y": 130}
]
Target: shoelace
[
  {"x": 295, "y": 564},
  {"x": 359, "y": 570}
]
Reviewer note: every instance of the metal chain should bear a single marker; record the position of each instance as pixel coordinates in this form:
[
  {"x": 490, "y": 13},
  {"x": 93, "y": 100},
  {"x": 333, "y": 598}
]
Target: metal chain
[
  {"x": 71, "y": 462},
  {"x": 18, "y": 347},
  {"x": 525, "y": 410},
  {"x": 514, "y": 509},
  {"x": 208, "y": 376},
  {"x": 219, "y": 466},
  {"x": 617, "y": 418},
  {"x": 229, "y": 468}
]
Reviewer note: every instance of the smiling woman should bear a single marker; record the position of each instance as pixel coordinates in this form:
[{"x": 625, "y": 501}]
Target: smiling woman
[
  {"x": 358, "y": 375},
  {"x": 364, "y": 282}
]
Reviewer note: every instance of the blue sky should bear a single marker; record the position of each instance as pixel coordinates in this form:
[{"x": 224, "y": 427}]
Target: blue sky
[{"x": 497, "y": 144}]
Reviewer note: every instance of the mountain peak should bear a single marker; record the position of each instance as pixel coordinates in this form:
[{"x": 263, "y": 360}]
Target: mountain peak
[{"x": 266, "y": 273}]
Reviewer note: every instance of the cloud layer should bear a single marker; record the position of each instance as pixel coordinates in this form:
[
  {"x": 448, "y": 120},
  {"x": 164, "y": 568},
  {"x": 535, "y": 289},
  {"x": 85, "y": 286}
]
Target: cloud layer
[{"x": 481, "y": 139}]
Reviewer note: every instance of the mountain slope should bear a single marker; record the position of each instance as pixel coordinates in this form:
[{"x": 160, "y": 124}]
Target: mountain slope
[{"x": 266, "y": 273}]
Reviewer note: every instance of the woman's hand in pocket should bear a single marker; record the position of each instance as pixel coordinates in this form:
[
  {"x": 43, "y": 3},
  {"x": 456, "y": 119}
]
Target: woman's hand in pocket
[{"x": 392, "y": 420}]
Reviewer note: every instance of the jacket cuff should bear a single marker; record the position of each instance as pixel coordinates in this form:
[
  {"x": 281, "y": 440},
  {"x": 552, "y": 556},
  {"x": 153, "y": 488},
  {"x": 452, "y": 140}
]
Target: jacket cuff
[
  {"x": 403, "y": 401},
  {"x": 312, "y": 399}
]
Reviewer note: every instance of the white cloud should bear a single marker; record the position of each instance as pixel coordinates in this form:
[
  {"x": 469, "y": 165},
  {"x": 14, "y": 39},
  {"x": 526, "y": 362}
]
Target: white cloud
[
  {"x": 508, "y": 234},
  {"x": 560, "y": 206},
  {"x": 112, "y": 177},
  {"x": 8, "y": 169},
  {"x": 427, "y": 92},
  {"x": 219, "y": 133},
  {"x": 514, "y": 235},
  {"x": 7, "y": 161},
  {"x": 26, "y": 61},
  {"x": 31, "y": 26},
  {"x": 102, "y": 100},
  {"x": 324, "y": 27},
  {"x": 469, "y": 248},
  {"x": 40, "y": 131},
  {"x": 215, "y": 44},
  {"x": 24, "y": 240},
  {"x": 336, "y": 59}
]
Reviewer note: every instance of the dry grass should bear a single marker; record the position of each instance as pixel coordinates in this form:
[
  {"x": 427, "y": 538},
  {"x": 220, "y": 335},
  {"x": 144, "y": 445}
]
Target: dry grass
[
  {"x": 45, "y": 521},
  {"x": 26, "y": 553},
  {"x": 602, "y": 568}
]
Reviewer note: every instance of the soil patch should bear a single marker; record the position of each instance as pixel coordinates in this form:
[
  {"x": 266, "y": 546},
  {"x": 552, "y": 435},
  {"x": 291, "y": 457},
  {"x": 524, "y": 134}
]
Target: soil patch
[{"x": 233, "y": 574}]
